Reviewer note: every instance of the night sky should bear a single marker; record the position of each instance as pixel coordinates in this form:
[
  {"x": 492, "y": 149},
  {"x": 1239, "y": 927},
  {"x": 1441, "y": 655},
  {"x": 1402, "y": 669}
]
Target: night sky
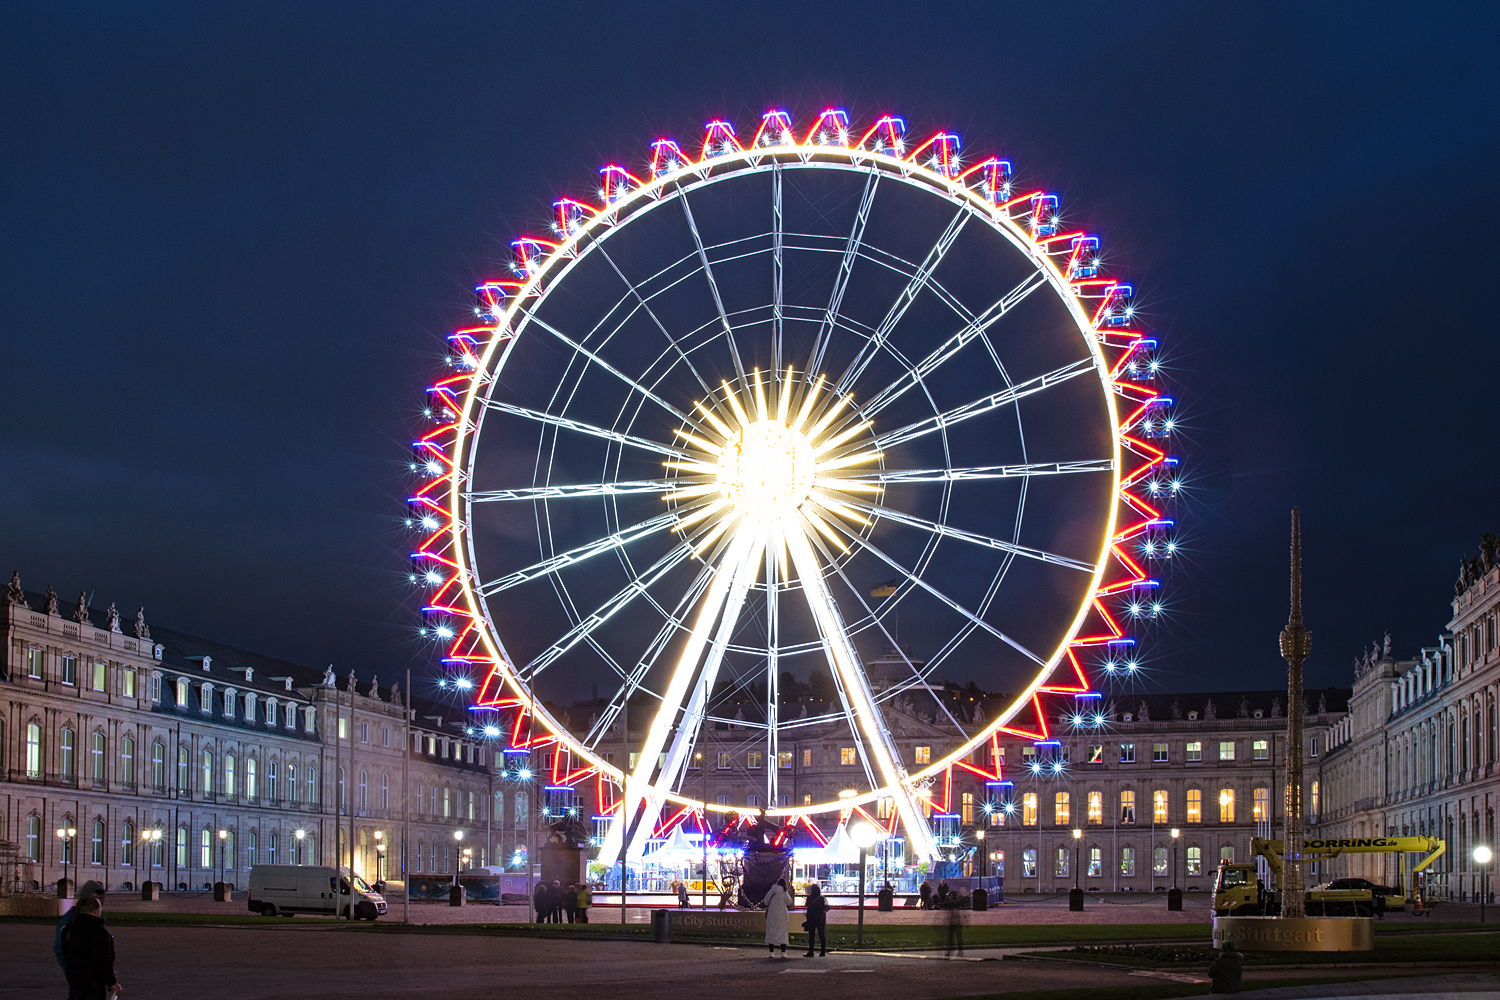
[{"x": 236, "y": 236}]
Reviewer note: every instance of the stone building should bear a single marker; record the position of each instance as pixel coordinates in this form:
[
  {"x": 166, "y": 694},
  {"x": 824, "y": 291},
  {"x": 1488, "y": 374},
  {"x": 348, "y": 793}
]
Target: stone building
[
  {"x": 184, "y": 761},
  {"x": 1416, "y": 754}
]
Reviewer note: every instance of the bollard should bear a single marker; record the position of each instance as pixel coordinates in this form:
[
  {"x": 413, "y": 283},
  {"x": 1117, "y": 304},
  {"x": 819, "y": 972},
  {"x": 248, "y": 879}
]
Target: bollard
[
  {"x": 150, "y": 891},
  {"x": 661, "y": 926},
  {"x": 64, "y": 888},
  {"x": 887, "y": 901},
  {"x": 222, "y": 891},
  {"x": 1174, "y": 899},
  {"x": 981, "y": 899},
  {"x": 457, "y": 895},
  {"x": 1075, "y": 900}
]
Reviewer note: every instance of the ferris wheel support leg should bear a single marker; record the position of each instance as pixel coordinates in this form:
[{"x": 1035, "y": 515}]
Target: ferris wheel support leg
[{"x": 846, "y": 662}]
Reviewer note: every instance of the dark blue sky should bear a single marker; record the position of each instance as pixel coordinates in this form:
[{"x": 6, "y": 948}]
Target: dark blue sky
[{"x": 236, "y": 235}]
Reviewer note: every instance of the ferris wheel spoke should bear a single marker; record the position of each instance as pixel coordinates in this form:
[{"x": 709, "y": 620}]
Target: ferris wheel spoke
[
  {"x": 611, "y": 369},
  {"x": 953, "y": 345},
  {"x": 777, "y": 272},
  {"x": 646, "y": 307},
  {"x": 713, "y": 286},
  {"x": 918, "y": 281},
  {"x": 984, "y": 541},
  {"x": 583, "y": 427},
  {"x": 566, "y": 492},
  {"x": 846, "y": 267},
  {"x": 573, "y": 557},
  {"x": 865, "y": 715},
  {"x": 585, "y": 628},
  {"x": 979, "y": 407},
  {"x": 968, "y": 615},
  {"x": 979, "y": 472}
]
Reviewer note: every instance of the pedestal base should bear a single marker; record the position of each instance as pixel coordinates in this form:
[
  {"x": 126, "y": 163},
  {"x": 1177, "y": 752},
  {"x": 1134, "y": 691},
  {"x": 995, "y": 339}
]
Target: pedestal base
[{"x": 1296, "y": 933}]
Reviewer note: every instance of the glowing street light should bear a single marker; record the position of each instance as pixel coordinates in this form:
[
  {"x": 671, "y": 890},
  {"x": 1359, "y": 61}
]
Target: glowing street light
[
  {"x": 864, "y": 836},
  {"x": 1483, "y": 856}
]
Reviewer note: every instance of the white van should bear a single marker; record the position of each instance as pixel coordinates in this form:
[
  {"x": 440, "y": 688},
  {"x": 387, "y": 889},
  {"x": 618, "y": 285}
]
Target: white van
[{"x": 285, "y": 890}]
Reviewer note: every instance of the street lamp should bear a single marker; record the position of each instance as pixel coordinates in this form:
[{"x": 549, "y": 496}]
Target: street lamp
[
  {"x": 863, "y": 835},
  {"x": 65, "y": 834},
  {"x": 1077, "y": 837},
  {"x": 979, "y": 836},
  {"x": 222, "y": 835},
  {"x": 458, "y": 837},
  {"x": 379, "y": 856},
  {"x": 1483, "y": 856},
  {"x": 1176, "y": 833},
  {"x": 152, "y": 837},
  {"x": 299, "y": 835}
]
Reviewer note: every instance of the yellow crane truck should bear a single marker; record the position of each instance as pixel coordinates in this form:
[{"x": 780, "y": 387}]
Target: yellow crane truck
[{"x": 1239, "y": 892}]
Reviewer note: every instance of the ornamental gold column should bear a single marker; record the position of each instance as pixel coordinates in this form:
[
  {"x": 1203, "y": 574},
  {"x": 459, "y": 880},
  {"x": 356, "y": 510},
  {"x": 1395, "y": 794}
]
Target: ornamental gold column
[{"x": 1296, "y": 643}]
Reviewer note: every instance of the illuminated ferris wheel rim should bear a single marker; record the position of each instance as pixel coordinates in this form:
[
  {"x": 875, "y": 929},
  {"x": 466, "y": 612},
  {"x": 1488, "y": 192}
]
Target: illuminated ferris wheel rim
[{"x": 669, "y": 185}]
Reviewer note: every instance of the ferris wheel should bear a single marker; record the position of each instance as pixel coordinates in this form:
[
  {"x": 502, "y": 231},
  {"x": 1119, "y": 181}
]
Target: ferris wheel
[{"x": 766, "y": 440}]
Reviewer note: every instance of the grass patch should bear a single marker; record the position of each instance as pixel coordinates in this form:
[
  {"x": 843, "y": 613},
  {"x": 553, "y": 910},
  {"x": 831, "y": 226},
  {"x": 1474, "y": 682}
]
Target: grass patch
[
  {"x": 1151, "y": 991},
  {"x": 1421, "y": 948}
]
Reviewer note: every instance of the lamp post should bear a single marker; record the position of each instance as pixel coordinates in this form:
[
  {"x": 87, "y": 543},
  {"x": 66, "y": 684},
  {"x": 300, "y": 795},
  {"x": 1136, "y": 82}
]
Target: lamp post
[
  {"x": 1176, "y": 833},
  {"x": 1077, "y": 837},
  {"x": 65, "y": 837},
  {"x": 300, "y": 834},
  {"x": 863, "y": 835},
  {"x": 379, "y": 856},
  {"x": 1483, "y": 855},
  {"x": 458, "y": 843},
  {"x": 223, "y": 835},
  {"x": 979, "y": 836},
  {"x": 153, "y": 838}
]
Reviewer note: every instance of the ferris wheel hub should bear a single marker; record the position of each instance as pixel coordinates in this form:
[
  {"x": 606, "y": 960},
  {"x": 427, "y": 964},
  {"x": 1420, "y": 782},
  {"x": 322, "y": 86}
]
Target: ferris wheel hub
[{"x": 766, "y": 471}]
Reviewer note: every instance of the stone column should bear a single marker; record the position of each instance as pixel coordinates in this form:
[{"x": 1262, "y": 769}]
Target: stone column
[{"x": 1296, "y": 643}]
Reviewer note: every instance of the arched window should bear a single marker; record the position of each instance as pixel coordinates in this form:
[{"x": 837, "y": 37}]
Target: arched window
[
  {"x": 291, "y": 782},
  {"x": 418, "y": 858},
  {"x": 1159, "y": 806},
  {"x": 96, "y": 843},
  {"x": 208, "y": 773},
  {"x": 127, "y": 845},
  {"x": 127, "y": 762},
  {"x": 271, "y": 844},
  {"x": 363, "y": 791},
  {"x": 1226, "y": 853},
  {"x": 229, "y": 775},
  {"x": 1028, "y": 813},
  {"x": 206, "y": 848},
  {"x": 1195, "y": 805},
  {"x": 1061, "y": 811},
  {"x": 385, "y": 792},
  {"x": 33, "y": 750},
  {"x": 420, "y": 801},
  {"x": 447, "y": 806},
  {"x": 1028, "y": 863},
  {"x": 1195, "y": 861},
  {"x": 96, "y": 758},
  {"x": 523, "y": 805},
  {"x": 1226, "y": 805},
  {"x": 1127, "y": 862},
  {"x": 65, "y": 754},
  {"x": 312, "y": 786},
  {"x": 1096, "y": 808},
  {"x": 1061, "y": 868},
  {"x": 499, "y": 813},
  {"x": 272, "y": 791},
  {"x": 1261, "y": 809},
  {"x": 182, "y": 769},
  {"x": 1127, "y": 807},
  {"x": 251, "y": 788},
  {"x": 159, "y": 766}
]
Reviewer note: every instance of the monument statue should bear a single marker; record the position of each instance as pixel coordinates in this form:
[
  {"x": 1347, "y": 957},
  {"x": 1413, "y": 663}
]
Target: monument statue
[
  {"x": 141, "y": 631},
  {"x": 81, "y": 613},
  {"x": 14, "y": 595}
]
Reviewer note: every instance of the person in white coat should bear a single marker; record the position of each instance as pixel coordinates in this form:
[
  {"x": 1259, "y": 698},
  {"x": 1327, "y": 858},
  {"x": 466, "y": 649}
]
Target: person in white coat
[{"x": 777, "y": 903}]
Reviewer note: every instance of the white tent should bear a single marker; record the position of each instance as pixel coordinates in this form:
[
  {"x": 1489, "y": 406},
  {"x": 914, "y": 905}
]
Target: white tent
[
  {"x": 676, "y": 849},
  {"x": 841, "y": 850}
]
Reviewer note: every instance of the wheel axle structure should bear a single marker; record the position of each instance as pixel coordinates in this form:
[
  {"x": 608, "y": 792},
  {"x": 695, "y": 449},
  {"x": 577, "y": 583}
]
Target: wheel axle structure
[{"x": 741, "y": 414}]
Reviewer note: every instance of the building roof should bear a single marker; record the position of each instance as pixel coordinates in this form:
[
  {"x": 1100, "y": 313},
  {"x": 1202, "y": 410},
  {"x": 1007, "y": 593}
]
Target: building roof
[{"x": 1227, "y": 704}]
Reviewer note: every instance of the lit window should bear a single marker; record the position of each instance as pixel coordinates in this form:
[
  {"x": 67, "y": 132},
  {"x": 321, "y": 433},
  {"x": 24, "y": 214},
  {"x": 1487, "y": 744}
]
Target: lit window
[
  {"x": 229, "y": 774},
  {"x": 1226, "y": 805},
  {"x": 807, "y": 800},
  {"x": 1195, "y": 861},
  {"x": 1159, "y": 861},
  {"x": 205, "y": 849},
  {"x": 364, "y": 732},
  {"x": 1028, "y": 756},
  {"x": 385, "y": 736},
  {"x": 1096, "y": 862},
  {"x": 99, "y": 668},
  {"x": 156, "y": 687},
  {"x": 1159, "y": 806},
  {"x": 1028, "y": 809},
  {"x": 753, "y": 760},
  {"x": 967, "y": 810},
  {"x": 1127, "y": 807},
  {"x": 34, "y": 664},
  {"x": 65, "y": 752},
  {"x": 1226, "y": 749},
  {"x": 1315, "y": 801},
  {"x": 1096, "y": 807},
  {"x": 1195, "y": 751},
  {"x": 1028, "y": 863},
  {"x": 1262, "y": 749},
  {"x": 1226, "y": 853},
  {"x": 33, "y": 750},
  {"x": 725, "y": 760},
  {"x": 229, "y": 699},
  {"x": 96, "y": 758},
  {"x": 1262, "y": 805},
  {"x": 344, "y": 729},
  {"x": 1061, "y": 809},
  {"x": 1158, "y": 753},
  {"x": 1096, "y": 754},
  {"x": 1314, "y": 746},
  {"x": 1061, "y": 868},
  {"x": 70, "y": 671},
  {"x": 207, "y": 788},
  {"x": 1127, "y": 862},
  {"x": 784, "y": 759},
  {"x": 924, "y": 755},
  {"x": 846, "y": 755},
  {"x": 807, "y": 759},
  {"x": 127, "y": 683},
  {"x": 1127, "y": 753},
  {"x": 1195, "y": 805}
]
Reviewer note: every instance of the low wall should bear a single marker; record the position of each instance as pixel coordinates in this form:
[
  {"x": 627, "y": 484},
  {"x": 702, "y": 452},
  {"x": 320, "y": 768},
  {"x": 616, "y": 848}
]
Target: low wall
[
  {"x": 1296, "y": 934},
  {"x": 743, "y": 921},
  {"x": 33, "y": 906}
]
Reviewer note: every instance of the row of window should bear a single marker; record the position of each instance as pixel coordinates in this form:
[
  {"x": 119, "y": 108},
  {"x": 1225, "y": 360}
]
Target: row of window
[
  {"x": 148, "y": 847},
  {"x": 1093, "y": 861},
  {"x": 95, "y": 672},
  {"x": 1062, "y": 807}
]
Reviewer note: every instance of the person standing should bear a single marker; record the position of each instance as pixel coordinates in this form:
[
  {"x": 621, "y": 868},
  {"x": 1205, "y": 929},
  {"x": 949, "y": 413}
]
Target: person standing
[
  {"x": 89, "y": 890},
  {"x": 585, "y": 900},
  {"x": 570, "y": 903},
  {"x": 555, "y": 900},
  {"x": 539, "y": 902},
  {"x": 682, "y": 896},
  {"x": 926, "y": 895},
  {"x": 89, "y": 951},
  {"x": 777, "y": 902},
  {"x": 817, "y": 920}
]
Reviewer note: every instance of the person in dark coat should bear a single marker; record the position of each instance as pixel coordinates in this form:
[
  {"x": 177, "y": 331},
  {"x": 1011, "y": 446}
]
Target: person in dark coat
[
  {"x": 539, "y": 902},
  {"x": 1227, "y": 969},
  {"x": 817, "y": 920},
  {"x": 89, "y": 951},
  {"x": 89, "y": 890},
  {"x": 570, "y": 903},
  {"x": 926, "y": 895},
  {"x": 555, "y": 901}
]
